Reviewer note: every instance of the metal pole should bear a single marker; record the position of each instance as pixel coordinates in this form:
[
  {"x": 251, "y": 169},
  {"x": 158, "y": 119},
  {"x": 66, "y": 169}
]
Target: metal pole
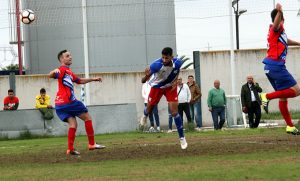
[
  {"x": 237, "y": 25},
  {"x": 86, "y": 51},
  {"x": 19, "y": 37},
  {"x": 232, "y": 63}
]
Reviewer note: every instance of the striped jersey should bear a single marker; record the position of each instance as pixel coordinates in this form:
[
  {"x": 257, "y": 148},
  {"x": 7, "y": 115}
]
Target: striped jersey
[
  {"x": 163, "y": 76},
  {"x": 65, "y": 93}
]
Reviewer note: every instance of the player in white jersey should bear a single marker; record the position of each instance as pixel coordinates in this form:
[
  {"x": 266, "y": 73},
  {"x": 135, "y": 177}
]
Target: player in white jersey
[{"x": 164, "y": 73}]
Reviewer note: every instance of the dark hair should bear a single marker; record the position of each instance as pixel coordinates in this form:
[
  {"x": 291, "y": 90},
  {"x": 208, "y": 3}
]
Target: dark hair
[
  {"x": 43, "y": 91},
  {"x": 190, "y": 76},
  {"x": 60, "y": 54},
  {"x": 10, "y": 90},
  {"x": 274, "y": 13},
  {"x": 167, "y": 51}
]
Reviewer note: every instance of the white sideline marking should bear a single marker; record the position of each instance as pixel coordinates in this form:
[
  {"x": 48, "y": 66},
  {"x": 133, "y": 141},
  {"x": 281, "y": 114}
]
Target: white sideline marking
[{"x": 5, "y": 147}]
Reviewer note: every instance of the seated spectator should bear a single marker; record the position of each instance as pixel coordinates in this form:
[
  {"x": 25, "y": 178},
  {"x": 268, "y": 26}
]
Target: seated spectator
[
  {"x": 42, "y": 102},
  {"x": 11, "y": 102}
]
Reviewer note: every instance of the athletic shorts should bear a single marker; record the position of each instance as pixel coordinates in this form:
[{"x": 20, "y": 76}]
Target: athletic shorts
[
  {"x": 279, "y": 77},
  {"x": 156, "y": 94},
  {"x": 73, "y": 109}
]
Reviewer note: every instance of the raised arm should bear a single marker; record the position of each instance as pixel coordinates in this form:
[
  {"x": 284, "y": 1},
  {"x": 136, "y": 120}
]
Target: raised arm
[
  {"x": 278, "y": 18},
  {"x": 87, "y": 80},
  {"x": 293, "y": 43}
]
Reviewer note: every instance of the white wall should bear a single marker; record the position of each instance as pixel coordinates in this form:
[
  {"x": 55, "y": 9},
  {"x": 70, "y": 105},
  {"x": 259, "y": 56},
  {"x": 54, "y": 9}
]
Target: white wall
[{"x": 216, "y": 65}]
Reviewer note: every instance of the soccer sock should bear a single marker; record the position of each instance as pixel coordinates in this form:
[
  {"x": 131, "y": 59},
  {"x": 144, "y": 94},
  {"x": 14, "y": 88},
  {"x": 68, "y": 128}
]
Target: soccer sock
[
  {"x": 178, "y": 122},
  {"x": 286, "y": 93},
  {"x": 71, "y": 138},
  {"x": 283, "y": 107},
  {"x": 90, "y": 131}
]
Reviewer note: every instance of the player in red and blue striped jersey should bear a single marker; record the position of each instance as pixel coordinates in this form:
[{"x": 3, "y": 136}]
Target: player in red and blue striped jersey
[
  {"x": 163, "y": 75},
  {"x": 67, "y": 106},
  {"x": 282, "y": 81}
]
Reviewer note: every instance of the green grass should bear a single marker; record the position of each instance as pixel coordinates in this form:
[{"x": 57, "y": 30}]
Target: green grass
[
  {"x": 278, "y": 116},
  {"x": 259, "y": 154}
]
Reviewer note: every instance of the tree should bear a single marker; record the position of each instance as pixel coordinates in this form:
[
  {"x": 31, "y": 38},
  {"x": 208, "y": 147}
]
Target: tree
[{"x": 11, "y": 67}]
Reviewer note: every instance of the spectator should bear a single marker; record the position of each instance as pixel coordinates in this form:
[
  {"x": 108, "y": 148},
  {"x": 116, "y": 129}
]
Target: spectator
[
  {"x": 145, "y": 93},
  {"x": 184, "y": 98},
  {"x": 216, "y": 103},
  {"x": 11, "y": 102},
  {"x": 251, "y": 101},
  {"x": 42, "y": 102},
  {"x": 195, "y": 101},
  {"x": 170, "y": 120}
]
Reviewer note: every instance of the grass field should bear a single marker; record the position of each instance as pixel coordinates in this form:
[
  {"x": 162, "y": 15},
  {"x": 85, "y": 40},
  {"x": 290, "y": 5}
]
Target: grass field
[{"x": 261, "y": 154}]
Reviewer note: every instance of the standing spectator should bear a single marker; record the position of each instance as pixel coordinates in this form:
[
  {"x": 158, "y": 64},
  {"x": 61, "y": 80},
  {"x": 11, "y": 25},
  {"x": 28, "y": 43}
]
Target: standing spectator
[
  {"x": 216, "y": 103},
  {"x": 145, "y": 93},
  {"x": 11, "y": 102},
  {"x": 251, "y": 101},
  {"x": 184, "y": 98},
  {"x": 195, "y": 101},
  {"x": 170, "y": 120},
  {"x": 42, "y": 102}
]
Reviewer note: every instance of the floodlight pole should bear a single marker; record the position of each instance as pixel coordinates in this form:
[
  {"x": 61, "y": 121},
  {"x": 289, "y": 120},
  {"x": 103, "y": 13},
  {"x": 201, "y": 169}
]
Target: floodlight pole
[
  {"x": 19, "y": 37},
  {"x": 86, "y": 52}
]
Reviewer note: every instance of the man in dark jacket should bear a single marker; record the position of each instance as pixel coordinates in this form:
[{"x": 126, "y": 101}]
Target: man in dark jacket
[{"x": 251, "y": 101}]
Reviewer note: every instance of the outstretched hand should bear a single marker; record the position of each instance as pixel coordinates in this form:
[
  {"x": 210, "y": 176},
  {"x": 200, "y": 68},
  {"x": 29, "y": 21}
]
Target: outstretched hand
[{"x": 97, "y": 79}]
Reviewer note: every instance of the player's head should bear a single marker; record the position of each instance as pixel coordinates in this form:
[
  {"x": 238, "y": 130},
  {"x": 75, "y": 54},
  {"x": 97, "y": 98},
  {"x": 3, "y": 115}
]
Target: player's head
[
  {"x": 64, "y": 57},
  {"x": 273, "y": 15},
  {"x": 11, "y": 93},
  {"x": 217, "y": 84},
  {"x": 167, "y": 56},
  {"x": 43, "y": 92},
  {"x": 190, "y": 79}
]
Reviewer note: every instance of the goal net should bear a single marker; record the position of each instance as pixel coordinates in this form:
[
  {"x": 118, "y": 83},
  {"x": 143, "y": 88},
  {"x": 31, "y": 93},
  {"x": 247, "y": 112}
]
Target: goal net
[{"x": 234, "y": 114}]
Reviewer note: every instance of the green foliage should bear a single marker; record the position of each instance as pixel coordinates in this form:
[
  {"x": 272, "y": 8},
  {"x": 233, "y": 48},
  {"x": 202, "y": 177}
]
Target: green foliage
[{"x": 12, "y": 67}]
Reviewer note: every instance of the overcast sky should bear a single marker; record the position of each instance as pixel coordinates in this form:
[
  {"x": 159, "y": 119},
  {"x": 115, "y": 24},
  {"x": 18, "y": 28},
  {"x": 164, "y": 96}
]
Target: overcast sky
[{"x": 204, "y": 24}]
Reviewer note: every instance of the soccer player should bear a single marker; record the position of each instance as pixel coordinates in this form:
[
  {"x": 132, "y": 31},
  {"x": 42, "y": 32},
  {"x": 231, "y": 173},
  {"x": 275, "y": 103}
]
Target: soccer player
[
  {"x": 163, "y": 81},
  {"x": 67, "y": 106},
  {"x": 282, "y": 81}
]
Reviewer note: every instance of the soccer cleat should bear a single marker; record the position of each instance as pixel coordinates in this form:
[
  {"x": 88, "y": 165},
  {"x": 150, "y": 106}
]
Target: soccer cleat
[
  {"x": 292, "y": 130},
  {"x": 151, "y": 129},
  {"x": 183, "y": 143},
  {"x": 198, "y": 129},
  {"x": 265, "y": 102},
  {"x": 73, "y": 152},
  {"x": 143, "y": 120},
  {"x": 169, "y": 131},
  {"x": 96, "y": 146}
]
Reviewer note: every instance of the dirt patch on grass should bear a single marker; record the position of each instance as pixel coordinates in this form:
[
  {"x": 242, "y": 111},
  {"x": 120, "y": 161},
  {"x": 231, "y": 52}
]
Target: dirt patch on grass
[{"x": 163, "y": 147}]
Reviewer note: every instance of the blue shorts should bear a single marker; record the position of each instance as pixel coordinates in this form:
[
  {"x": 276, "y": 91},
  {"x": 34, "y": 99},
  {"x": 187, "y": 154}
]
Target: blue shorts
[
  {"x": 279, "y": 77},
  {"x": 73, "y": 109}
]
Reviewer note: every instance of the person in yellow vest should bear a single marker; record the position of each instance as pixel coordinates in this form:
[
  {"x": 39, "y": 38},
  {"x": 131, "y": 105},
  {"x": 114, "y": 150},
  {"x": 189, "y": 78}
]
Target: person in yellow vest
[{"x": 42, "y": 102}]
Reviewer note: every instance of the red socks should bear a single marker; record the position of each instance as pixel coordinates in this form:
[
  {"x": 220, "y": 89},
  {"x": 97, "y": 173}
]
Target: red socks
[
  {"x": 89, "y": 131},
  {"x": 286, "y": 93},
  {"x": 283, "y": 107},
  {"x": 71, "y": 138}
]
